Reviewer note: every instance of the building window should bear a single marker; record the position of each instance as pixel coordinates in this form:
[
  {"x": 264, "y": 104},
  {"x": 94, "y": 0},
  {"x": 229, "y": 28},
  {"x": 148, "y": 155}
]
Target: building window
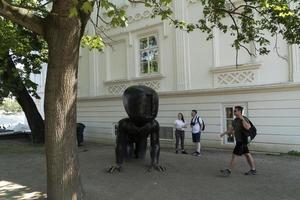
[
  {"x": 228, "y": 118},
  {"x": 228, "y": 123},
  {"x": 148, "y": 51}
]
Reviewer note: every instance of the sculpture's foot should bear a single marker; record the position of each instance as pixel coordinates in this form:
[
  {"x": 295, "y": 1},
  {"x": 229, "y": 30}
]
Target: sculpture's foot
[
  {"x": 113, "y": 168},
  {"x": 157, "y": 168}
]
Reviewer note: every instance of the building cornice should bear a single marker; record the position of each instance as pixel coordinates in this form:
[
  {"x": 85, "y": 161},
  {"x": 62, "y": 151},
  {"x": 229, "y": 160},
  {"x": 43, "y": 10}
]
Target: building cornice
[
  {"x": 136, "y": 79},
  {"x": 216, "y": 91},
  {"x": 249, "y": 66}
]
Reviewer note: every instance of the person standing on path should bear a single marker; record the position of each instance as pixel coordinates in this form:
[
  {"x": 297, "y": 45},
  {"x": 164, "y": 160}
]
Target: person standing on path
[
  {"x": 239, "y": 126},
  {"x": 179, "y": 133},
  {"x": 196, "y": 124}
]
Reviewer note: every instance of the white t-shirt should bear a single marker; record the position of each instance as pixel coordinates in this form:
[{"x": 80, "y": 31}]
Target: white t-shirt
[
  {"x": 179, "y": 124},
  {"x": 196, "y": 128}
]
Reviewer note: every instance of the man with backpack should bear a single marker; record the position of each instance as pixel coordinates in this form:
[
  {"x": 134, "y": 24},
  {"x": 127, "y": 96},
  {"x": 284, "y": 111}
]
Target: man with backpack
[
  {"x": 241, "y": 129},
  {"x": 197, "y": 126}
]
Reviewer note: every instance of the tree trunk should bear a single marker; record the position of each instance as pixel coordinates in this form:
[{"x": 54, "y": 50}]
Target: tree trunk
[
  {"x": 63, "y": 36},
  {"x": 34, "y": 118},
  {"x": 13, "y": 82}
]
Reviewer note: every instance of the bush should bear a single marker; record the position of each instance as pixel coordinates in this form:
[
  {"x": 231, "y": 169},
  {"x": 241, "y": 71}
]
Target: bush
[{"x": 11, "y": 106}]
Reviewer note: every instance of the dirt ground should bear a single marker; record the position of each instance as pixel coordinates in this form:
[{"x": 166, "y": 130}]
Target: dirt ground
[{"x": 23, "y": 175}]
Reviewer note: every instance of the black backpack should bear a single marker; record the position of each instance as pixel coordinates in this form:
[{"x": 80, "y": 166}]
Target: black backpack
[
  {"x": 203, "y": 124},
  {"x": 251, "y": 133}
]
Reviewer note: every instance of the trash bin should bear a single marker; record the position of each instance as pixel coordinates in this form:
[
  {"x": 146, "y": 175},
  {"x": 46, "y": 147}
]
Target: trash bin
[{"x": 80, "y": 129}]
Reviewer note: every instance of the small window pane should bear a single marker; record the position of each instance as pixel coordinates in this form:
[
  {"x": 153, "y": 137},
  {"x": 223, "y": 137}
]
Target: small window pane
[
  {"x": 153, "y": 66},
  {"x": 151, "y": 55},
  {"x": 155, "y": 54},
  {"x": 229, "y": 112},
  {"x": 143, "y": 43},
  {"x": 144, "y": 67},
  {"x": 229, "y": 124},
  {"x": 144, "y": 56},
  {"x": 229, "y": 119},
  {"x": 152, "y": 41}
]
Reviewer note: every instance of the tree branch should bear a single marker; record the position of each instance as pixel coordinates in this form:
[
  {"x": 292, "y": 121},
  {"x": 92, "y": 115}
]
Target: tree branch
[
  {"x": 22, "y": 17},
  {"x": 277, "y": 49},
  {"x": 136, "y": 1},
  {"x": 40, "y": 7},
  {"x": 97, "y": 30}
]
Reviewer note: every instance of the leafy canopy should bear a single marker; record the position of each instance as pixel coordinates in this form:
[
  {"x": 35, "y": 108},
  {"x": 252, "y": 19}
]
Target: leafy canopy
[
  {"x": 250, "y": 19},
  {"x": 28, "y": 52}
]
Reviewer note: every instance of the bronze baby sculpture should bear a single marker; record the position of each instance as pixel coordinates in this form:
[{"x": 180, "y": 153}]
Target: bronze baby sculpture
[{"x": 141, "y": 105}]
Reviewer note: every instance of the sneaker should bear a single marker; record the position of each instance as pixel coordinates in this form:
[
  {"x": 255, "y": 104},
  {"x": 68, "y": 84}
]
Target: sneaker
[
  {"x": 196, "y": 153},
  {"x": 225, "y": 172},
  {"x": 251, "y": 172},
  {"x": 184, "y": 152}
]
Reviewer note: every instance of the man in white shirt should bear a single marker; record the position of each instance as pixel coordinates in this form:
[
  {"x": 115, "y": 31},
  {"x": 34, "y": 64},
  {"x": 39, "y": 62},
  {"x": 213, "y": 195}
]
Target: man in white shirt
[{"x": 196, "y": 124}]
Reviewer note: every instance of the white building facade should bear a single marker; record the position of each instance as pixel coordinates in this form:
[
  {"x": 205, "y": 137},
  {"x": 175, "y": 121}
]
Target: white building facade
[{"x": 188, "y": 73}]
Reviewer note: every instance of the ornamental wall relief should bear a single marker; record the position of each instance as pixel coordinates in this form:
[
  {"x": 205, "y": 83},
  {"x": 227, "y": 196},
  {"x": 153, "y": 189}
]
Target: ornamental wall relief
[
  {"x": 131, "y": 19},
  {"x": 117, "y": 87},
  {"x": 235, "y": 76}
]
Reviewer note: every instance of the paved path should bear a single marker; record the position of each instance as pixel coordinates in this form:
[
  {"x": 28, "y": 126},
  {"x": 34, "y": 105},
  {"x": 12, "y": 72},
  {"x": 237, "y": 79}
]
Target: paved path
[{"x": 187, "y": 177}]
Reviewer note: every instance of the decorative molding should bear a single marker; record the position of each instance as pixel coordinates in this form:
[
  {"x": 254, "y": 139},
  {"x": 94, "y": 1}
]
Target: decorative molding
[
  {"x": 117, "y": 87},
  {"x": 235, "y": 75},
  {"x": 259, "y": 89},
  {"x": 192, "y": 1},
  {"x": 249, "y": 66},
  {"x": 139, "y": 16},
  {"x": 155, "y": 84},
  {"x": 131, "y": 19},
  {"x": 149, "y": 77},
  {"x": 231, "y": 78}
]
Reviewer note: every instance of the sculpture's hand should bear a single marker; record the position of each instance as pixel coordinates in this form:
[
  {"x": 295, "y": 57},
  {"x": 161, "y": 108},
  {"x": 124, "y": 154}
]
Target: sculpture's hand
[
  {"x": 157, "y": 168},
  {"x": 113, "y": 168}
]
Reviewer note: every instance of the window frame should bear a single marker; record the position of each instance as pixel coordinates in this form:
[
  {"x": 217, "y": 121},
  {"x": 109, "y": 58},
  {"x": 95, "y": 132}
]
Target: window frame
[
  {"x": 225, "y": 119},
  {"x": 139, "y": 51}
]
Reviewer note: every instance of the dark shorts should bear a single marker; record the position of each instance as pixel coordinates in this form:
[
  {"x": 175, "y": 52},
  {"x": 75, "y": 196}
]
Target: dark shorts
[
  {"x": 196, "y": 137},
  {"x": 240, "y": 149}
]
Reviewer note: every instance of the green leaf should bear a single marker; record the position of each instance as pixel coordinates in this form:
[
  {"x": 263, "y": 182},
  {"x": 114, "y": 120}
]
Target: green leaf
[
  {"x": 92, "y": 42},
  {"x": 73, "y": 12},
  {"x": 87, "y": 7}
]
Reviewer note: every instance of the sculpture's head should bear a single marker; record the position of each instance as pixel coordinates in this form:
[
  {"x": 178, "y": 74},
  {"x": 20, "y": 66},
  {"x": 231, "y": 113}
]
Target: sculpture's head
[{"x": 141, "y": 104}]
